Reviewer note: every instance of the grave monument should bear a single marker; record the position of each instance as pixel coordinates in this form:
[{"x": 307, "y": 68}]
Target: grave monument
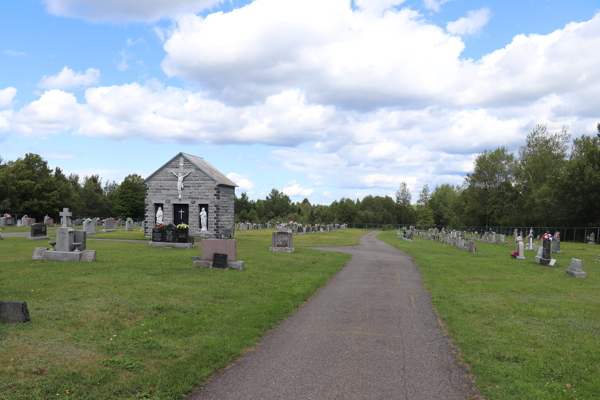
[
  {"x": 70, "y": 244},
  {"x": 282, "y": 242}
]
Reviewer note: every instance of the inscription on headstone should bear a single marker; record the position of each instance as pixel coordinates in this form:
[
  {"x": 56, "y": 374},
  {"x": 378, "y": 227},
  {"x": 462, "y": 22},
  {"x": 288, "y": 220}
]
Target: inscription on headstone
[{"x": 219, "y": 260}]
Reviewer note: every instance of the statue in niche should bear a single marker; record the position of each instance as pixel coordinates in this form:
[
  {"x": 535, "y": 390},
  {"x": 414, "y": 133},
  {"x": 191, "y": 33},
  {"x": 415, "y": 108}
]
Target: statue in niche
[
  {"x": 202, "y": 220},
  {"x": 180, "y": 176},
  {"x": 159, "y": 215}
]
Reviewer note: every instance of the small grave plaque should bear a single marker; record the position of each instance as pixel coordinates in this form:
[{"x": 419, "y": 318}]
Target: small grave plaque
[
  {"x": 38, "y": 230},
  {"x": 157, "y": 235},
  {"x": 219, "y": 260},
  {"x": 281, "y": 240}
]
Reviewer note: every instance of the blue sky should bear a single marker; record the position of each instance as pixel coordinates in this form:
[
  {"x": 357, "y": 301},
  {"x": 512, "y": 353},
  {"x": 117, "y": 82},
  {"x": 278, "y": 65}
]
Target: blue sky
[{"x": 320, "y": 99}]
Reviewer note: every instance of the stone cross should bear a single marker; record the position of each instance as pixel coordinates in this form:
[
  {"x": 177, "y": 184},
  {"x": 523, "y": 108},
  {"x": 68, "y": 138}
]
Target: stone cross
[
  {"x": 181, "y": 174},
  {"x": 65, "y": 214}
]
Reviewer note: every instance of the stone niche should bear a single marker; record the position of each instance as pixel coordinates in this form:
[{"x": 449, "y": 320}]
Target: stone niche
[{"x": 181, "y": 188}]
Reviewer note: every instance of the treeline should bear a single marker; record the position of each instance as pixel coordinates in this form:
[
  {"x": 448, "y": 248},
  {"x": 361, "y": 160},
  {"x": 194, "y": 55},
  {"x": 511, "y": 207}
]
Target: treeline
[
  {"x": 548, "y": 183},
  {"x": 29, "y": 186}
]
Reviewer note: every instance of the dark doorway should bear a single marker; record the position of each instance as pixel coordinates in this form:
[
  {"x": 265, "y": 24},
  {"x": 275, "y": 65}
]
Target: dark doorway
[{"x": 181, "y": 214}]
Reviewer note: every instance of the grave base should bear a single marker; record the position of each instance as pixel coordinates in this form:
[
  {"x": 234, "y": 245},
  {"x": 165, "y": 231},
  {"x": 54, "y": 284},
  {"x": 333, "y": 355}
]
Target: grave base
[
  {"x": 53, "y": 255},
  {"x": 576, "y": 274},
  {"x": 172, "y": 244},
  {"x": 236, "y": 265},
  {"x": 521, "y": 258},
  {"x": 108, "y": 230},
  {"x": 548, "y": 262},
  {"x": 283, "y": 249},
  {"x": 38, "y": 238},
  {"x": 14, "y": 311}
]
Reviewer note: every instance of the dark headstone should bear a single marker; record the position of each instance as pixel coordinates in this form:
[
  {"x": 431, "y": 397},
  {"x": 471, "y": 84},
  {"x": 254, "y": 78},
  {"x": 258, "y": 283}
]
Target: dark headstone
[
  {"x": 158, "y": 235},
  {"x": 547, "y": 252},
  {"x": 219, "y": 260},
  {"x": 38, "y": 229},
  {"x": 171, "y": 234},
  {"x": 14, "y": 311},
  {"x": 182, "y": 235}
]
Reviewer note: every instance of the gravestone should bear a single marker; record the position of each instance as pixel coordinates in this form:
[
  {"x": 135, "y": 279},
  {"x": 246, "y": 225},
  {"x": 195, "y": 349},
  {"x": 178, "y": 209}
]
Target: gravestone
[
  {"x": 70, "y": 245},
  {"x": 211, "y": 247},
  {"x": 24, "y": 220},
  {"x": 282, "y": 242},
  {"x": 170, "y": 234},
  {"x": 89, "y": 226},
  {"x": 129, "y": 225},
  {"x": 556, "y": 246},
  {"x": 539, "y": 254},
  {"x": 575, "y": 269},
  {"x": 78, "y": 222},
  {"x": 592, "y": 238},
  {"x": 546, "y": 258},
  {"x": 38, "y": 232},
  {"x": 109, "y": 225},
  {"x": 14, "y": 311},
  {"x": 48, "y": 220},
  {"x": 472, "y": 247},
  {"x": 521, "y": 250}
]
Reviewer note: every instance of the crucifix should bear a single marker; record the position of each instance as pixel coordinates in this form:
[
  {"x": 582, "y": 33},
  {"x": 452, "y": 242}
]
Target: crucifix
[
  {"x": 181, "y": 175},
  {"x": 65, "y": 214},
  {"x": 181, "y": 212}
]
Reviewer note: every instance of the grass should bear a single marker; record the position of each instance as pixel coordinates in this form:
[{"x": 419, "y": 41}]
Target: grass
[
  {"x": 527, "y": 331},
  {"x": 141, "y": 322}
]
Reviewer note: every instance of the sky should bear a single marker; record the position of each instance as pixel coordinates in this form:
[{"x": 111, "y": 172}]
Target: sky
[{"x": 320, "y": 99}]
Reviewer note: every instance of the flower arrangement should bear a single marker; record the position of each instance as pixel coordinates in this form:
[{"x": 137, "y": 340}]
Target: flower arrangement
[
  {"x": 129, "y": 220},
  {"x": 182, "y": 226},
  {"x": 160, "y": 225},
  {"x": 513, "y": 254},
  {"x": 7, "y": 216},
  {"x": 88, "y": 220},
  {"x": 546, "y": 236}
]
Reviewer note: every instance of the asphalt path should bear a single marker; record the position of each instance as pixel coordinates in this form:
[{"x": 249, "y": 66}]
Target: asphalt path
[{"x": 371, "y": 333}]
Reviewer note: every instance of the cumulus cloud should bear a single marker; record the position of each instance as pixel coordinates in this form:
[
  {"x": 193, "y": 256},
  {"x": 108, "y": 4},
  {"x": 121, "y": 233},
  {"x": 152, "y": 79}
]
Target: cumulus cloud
[
  {"x": 326, "y": 194},
  {"x": 126, "y": 10},
  {"x": 69, "y": 79},
  {"x": 471, "y": 24},
  {"x": 295, "y": 190},
  {"x": 434, "y": 5},
  {"x": 6, "y": 96},
  {"x": 244, "y": 184}
]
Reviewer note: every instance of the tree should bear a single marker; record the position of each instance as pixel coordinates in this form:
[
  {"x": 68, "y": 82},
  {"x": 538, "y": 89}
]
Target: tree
[
  {"x": 130, "y": 202},
  {"x": 403, "y": 198},
  {"x": 423, "y": 196},
  {"x": 492, "y": 175},
  {"x": 441, "y": 201},
  {"x": 540, "y": 161},
  {"x": 92, "y": 196},
  {"x": 277, "y": 204},
  {"x": 242, "y": 204}
]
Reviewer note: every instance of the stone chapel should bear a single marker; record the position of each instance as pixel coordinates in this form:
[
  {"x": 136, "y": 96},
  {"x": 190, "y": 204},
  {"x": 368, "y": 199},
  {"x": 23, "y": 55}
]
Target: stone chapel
[{"x": 182, "y": 188}]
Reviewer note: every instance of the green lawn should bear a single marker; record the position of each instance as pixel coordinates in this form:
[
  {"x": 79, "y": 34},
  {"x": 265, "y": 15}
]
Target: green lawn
[
  {"x": 527, "y": 331},
  {"x": 141, "y": 322}
]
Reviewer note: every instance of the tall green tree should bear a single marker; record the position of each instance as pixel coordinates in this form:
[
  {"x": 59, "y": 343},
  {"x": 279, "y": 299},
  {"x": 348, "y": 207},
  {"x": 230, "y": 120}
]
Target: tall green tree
[
  {"x": 441, "y": 202},
  {"x": 403, "y": 206},
  {"x": 130, "y": 201},
  {"x": 92, "y": 197},
  {"x": 492, "y": 175}
]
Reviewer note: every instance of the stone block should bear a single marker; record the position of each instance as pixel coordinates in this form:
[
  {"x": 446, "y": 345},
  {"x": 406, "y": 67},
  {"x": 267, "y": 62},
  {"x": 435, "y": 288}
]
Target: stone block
[
  {"x": 235, "y": 265},
  {"x": 575, "y": 269},
  {"x": 38, "y": 253},
  {"x": 14, "y": 311},
  {"x": 88, "y": 255},
  {"x": 53, "y": 255},
  {"x": 223, "y": 246},
  {"x": 283, "y": 249}
]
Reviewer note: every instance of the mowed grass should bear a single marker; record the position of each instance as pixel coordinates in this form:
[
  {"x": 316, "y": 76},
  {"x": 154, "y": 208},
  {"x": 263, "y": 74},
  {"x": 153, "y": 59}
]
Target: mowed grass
[
  {"x": 527, "y": 331},
  {"x": 142, "y": 322},
  {"x": 120, "y": 232}
]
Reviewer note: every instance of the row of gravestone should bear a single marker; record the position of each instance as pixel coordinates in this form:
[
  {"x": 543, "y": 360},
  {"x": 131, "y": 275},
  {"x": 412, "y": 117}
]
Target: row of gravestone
[
  {"x": 457, "y": 241},
  {"x": 171, "y": 234}
]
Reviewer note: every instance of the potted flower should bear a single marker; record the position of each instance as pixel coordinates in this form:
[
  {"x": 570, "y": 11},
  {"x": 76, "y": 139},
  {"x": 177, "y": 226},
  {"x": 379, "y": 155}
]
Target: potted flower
[
  {"x": 182, "y": 233},
  {"x": 513, "y": 254},
  {"x": 158, "y": 232}
]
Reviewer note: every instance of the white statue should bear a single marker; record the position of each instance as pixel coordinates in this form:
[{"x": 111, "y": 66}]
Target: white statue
[
  {"x": 180, "y": 177},
  {"x": 159, "y": 215},
  {"x": 202, "y": 220}
]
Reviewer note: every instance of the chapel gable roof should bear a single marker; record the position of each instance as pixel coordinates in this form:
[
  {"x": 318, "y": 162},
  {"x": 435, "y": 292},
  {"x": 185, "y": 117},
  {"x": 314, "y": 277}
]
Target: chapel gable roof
[{"x": 203, "y": 166}]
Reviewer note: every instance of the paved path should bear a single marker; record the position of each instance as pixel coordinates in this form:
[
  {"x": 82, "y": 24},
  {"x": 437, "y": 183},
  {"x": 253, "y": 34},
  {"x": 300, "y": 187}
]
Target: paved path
[{"x": 369, "y": 334}]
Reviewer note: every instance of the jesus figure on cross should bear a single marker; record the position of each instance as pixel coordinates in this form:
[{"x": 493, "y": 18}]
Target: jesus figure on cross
[{"x": 180, "y": 177}]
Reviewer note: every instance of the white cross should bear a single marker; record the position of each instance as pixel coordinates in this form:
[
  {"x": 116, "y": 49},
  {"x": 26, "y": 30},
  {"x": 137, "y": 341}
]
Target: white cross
[
  {"x": 181, "y": 213},
  {"x": 65, "y": 214}
]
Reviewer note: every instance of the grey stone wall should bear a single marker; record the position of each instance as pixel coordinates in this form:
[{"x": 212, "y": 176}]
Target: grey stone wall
[{"x": 199, "y": 191}]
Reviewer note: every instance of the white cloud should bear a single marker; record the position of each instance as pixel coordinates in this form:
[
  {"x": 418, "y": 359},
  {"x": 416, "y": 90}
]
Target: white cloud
[
  {"x": 130, "y": 42},
  {"x": 69, "y": 79},
  {"x": 377, "y": 7},
  {"x": 123, "y": 65},
  {"x": 319, "y": 183},
  {"x": 6, "y": 96},
  {"x": 295, "y": 190},
  {"x": 326, "y": 194},
  {"x": 13, "y": 53},
  {"x": 434, "y": 5},
  {"x": 126, "y": 10},
  {"x": 244, "y": 184},
  {"x": 471, "y": 24}
]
